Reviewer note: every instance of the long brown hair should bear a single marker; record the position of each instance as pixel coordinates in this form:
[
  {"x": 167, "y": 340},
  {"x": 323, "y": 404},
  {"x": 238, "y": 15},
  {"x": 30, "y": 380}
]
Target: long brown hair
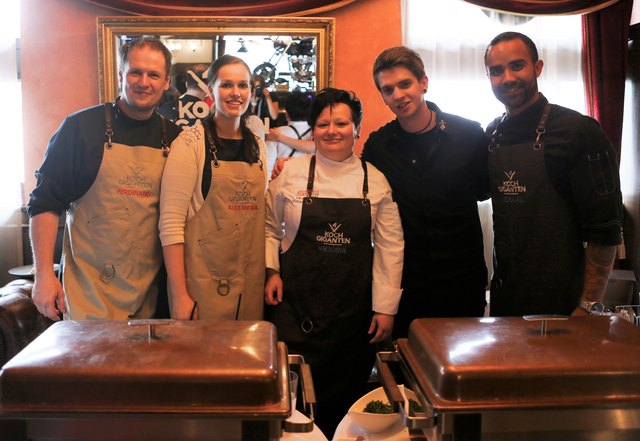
[{"x": 250, "y": 140}]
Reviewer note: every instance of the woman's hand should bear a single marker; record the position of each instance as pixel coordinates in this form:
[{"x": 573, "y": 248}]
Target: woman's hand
[
  {"x": 381, "y": 327},
  {"x": 273, "y": 288},
  {"x": 183, "y": 308}
]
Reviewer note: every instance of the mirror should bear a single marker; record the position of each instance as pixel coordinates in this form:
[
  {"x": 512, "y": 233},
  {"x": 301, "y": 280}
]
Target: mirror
[{"x": 290, "y": 53}]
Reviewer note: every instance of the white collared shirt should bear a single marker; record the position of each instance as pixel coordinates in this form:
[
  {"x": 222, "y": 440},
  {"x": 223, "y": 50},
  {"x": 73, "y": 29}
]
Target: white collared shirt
[{"x": 339, "y": 180}]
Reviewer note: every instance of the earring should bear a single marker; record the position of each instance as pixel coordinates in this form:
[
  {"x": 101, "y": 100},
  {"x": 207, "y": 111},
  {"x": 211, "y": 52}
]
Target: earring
[{"x": 424, "y": 91}]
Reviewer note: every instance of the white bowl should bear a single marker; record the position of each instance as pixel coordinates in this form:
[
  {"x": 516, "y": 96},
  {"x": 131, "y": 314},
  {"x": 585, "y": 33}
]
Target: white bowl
[{"x": 372, "y": 422}]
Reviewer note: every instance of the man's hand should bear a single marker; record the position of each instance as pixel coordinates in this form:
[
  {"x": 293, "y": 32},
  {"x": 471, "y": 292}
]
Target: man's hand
[
  {"x": 274, "y": 134},
  {"x": 47, "y": 291},
  {"x": 48, "y": 295},
  {"x": 381, "y": 327}
]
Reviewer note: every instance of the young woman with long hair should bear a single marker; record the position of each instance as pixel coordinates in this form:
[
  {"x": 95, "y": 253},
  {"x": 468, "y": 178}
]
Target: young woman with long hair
[{"x": 212, "y": 207}]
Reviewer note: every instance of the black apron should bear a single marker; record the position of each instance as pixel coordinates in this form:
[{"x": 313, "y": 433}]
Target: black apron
[
  {"x": 326, "y": 308},
  {"x": 538, "y": 254}
]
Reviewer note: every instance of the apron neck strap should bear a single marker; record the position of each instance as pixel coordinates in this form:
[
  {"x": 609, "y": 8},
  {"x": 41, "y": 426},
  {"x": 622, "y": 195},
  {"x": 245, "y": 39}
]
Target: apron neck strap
[
  {"x": 108, "y": 132},
  {"x": 493, "y": 145},
  {"x": 299, "y": 137},
  {"x": 312, "y": 174},
  {"x": 212, "y": 145},
  {"x": 541, "y": 129},
  {"x": 108, "y": 122},
  {"x": 163, "y": 131},
  {"x": 365, "y": 184}
]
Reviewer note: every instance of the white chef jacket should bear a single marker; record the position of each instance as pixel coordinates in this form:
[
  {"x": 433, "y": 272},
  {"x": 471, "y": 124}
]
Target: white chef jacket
[{"x": 339, "y": 180}]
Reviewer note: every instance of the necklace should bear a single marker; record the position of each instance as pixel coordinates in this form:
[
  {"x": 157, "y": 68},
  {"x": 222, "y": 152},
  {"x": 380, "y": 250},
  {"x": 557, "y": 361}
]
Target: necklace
[{"x": 425, "y": 127}]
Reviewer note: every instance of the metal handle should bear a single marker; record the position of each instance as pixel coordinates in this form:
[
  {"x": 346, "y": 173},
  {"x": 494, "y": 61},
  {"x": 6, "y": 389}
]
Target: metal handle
[
  {"x": 423, "y": 420},
  {"x": 388, "y": 381},
  {"x": 628, "y": 313},
  {"x": 151, "y": 325},
  {"x": 308, "y": 396},
  {"x": 544, "y": 318}
]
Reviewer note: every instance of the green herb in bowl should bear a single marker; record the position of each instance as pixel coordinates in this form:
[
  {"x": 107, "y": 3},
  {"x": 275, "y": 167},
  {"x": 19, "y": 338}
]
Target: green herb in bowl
[{"x": 377, "y": 406}]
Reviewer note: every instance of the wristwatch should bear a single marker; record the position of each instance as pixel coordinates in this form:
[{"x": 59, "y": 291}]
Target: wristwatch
[{"x": 591, "y": 306}]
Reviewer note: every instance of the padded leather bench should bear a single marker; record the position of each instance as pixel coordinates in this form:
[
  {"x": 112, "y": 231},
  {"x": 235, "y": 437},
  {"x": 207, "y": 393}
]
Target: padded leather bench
[{"x": 20, "y": 321}]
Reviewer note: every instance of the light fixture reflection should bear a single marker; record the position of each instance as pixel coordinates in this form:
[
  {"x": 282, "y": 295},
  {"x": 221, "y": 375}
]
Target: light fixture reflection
[
  {"x": 243, "y": 49},
  {"x": 468, "y": 347}
]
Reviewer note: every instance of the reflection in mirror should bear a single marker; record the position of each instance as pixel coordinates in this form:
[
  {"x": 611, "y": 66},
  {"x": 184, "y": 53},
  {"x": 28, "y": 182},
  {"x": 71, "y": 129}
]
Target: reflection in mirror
[
  {"x": 279, "y": 63},
  {"x": 288, "y": 53}
]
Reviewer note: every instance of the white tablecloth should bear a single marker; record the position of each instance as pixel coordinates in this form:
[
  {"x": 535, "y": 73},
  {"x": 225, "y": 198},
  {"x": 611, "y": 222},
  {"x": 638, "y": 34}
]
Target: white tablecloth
[
  {"x": 315, "y": 435},
  {"x": 348, "y": 430}
]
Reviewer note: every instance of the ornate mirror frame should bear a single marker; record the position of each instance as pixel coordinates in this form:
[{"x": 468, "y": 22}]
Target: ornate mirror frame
[{"x": 110, "y": 29}]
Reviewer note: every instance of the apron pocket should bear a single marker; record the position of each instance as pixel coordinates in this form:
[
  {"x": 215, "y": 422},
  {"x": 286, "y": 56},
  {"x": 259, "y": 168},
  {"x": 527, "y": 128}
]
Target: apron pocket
[
  {"x": 109, "y": 235},
  {"x": 602, "y": 173},
  {"x": 223, "y": 253}
]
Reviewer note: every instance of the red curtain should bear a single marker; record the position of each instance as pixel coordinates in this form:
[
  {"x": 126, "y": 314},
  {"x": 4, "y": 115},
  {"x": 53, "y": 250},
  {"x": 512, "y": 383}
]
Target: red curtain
[
  {"x": 605, "y": 30},
  {"x": 222, "y": 7},
  {"x": 542, "y": 7},
  {"x": 605, "y": 37}
]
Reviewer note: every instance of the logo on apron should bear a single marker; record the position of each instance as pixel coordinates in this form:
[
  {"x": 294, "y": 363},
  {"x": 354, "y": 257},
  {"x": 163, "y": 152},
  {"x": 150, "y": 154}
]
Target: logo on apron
[
  {"x": 135, "y": 183},
  {"x": 303, "y": 193},
  {"x": 333, "y": 240},
  {"x": 511, "y": 188},
  {"x": 243, "y": 200}
]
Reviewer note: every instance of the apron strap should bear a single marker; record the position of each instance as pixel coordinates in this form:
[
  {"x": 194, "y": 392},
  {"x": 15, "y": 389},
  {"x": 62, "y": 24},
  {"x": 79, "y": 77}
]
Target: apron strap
[
  {"x": 163, "y": 131},
  {"x": 365, "y": 183},
  {"x": 312, "y": 173},
  {"x": 540, "y": 130},
  {"x": 212, "y": 145},
  {"x": 108, "y": 118},
  {"x": 299, "y": 137},
  {"x": 310, "y": 178},
  {"x": 493, "y": 146},
  {"x": 108, "y": 122},
  {"x": 295, "y": 130}
]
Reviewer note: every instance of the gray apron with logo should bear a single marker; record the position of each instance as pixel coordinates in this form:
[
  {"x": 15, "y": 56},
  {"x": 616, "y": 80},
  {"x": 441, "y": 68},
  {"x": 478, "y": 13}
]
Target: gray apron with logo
[
  {"x": 112, "y": 252},
  {"x": 225, "y": 243},
  {"x": 539, "y": 257}
]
